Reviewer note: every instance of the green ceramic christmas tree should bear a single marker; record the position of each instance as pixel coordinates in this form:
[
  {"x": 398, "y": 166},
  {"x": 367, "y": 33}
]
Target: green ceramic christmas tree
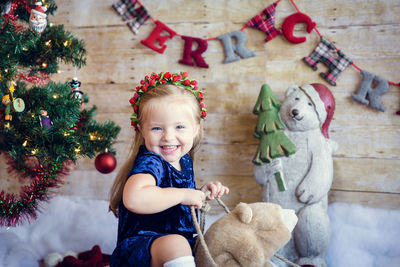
[{"x": 270, "y": 130}]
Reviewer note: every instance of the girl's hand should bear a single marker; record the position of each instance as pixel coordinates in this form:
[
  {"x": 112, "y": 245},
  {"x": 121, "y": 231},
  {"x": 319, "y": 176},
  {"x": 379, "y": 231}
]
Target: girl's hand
[
  {"x": 216, "y": 189},
  {"x": 193, "y": 197}
]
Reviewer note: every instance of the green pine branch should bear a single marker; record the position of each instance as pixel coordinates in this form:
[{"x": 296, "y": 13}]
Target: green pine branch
[
  {"x": 69, "y": 136},
  {"x": 27, "y": 50},
  {"x": 93, "y": 136}
]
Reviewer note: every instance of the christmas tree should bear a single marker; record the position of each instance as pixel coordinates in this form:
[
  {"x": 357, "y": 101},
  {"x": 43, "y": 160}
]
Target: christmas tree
[
  {"x": 270, "y": 130},
  {"x": 44, "y": 126}
]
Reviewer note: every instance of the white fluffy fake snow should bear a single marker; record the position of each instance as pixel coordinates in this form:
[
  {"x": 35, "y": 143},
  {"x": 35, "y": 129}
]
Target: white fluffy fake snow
[
  {"x": 361, "y": 236},
  {"x": 64, "y": 224}
]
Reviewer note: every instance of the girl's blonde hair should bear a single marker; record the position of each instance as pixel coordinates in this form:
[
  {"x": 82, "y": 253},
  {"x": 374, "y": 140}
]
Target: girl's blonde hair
[{"x": 161, "y": 91}]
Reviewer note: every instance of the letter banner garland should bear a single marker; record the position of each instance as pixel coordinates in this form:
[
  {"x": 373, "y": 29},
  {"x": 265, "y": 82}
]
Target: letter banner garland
[{"x": 369, "y": 93}]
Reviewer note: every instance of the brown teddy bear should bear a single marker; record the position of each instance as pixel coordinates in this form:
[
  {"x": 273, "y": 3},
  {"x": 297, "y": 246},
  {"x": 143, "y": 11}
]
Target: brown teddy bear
[{"x": 248, "y": 236}]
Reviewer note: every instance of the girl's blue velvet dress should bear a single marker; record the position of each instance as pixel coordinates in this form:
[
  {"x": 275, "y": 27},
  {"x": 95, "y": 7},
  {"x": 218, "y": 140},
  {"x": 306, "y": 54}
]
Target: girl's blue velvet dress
[{"x": 136, "y": 232}]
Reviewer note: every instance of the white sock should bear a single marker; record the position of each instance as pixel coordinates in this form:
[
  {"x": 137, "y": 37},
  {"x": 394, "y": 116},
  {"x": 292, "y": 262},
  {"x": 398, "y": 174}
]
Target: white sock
[{"x": 185, "y": 261}]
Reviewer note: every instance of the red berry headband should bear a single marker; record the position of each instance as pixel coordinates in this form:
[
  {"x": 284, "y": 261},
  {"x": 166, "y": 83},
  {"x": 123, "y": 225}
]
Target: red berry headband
[{"x": 155, "y": 80}]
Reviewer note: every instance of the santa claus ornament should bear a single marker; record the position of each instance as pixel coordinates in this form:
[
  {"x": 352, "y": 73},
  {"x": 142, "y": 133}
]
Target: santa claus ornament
[{"x": 37, "y": 20}]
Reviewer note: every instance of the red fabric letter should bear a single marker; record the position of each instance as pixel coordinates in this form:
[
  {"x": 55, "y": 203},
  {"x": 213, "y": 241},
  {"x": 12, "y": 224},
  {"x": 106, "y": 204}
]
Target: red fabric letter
[
  {"x": 156, "y": 36},
  {"x": 188, "y": 53},
  {"x": 291, "y": 21}
]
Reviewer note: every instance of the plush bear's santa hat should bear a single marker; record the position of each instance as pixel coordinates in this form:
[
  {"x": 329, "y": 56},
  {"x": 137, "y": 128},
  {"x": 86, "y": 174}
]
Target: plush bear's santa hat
[{"x": 324, "y": 103}]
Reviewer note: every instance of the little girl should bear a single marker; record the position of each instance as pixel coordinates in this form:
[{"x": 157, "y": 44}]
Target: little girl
[{"x": 154, "y": 190}]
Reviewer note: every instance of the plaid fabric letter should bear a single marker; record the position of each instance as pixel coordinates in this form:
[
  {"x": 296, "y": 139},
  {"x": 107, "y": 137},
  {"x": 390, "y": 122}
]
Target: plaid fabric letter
[
  {"x": 129, "y": 11},
  {"x": 124, "y": 8},
  {"x": 334, "y": 59},
  {"x": 120, "y": 7},
  {"x": 140, "y": 16},
  {"x": 266, "y": 25}
]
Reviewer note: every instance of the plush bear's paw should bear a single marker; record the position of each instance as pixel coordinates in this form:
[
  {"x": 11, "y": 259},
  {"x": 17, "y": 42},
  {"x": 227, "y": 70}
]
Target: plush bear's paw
[{"x": 304, "y": 195}]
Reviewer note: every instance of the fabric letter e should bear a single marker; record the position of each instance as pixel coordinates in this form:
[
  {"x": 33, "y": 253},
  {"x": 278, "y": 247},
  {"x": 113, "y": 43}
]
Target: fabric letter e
[
  {"x": 239, "y": 48},
  {"x": 155, "y": 36},
  {"x": 188, "y": 53}
]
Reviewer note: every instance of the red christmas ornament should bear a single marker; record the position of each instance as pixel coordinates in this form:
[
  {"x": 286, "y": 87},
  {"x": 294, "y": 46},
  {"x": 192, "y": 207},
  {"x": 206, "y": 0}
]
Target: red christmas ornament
[{"x": 105, "y": 162}]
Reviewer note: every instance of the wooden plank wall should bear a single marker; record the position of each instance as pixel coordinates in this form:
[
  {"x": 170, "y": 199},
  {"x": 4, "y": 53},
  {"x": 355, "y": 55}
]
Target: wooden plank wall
[{"x": 366, "y": 166}]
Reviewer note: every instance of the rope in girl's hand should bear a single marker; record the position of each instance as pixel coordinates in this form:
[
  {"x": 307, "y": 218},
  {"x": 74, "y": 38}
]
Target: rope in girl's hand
[{"x": 201, "y": 237}]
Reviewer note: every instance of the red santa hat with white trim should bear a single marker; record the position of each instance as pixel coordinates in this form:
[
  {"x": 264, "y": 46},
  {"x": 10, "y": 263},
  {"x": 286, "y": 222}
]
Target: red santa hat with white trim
[
  {"x": 324, "y": 103},
  {"x": 39, "y": 9}
]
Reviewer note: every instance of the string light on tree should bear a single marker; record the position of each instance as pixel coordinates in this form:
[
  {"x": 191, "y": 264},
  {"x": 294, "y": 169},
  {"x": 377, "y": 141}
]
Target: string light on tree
[
  {"x": 93, "y": 136},
  {"x": 67, "y": 43}
]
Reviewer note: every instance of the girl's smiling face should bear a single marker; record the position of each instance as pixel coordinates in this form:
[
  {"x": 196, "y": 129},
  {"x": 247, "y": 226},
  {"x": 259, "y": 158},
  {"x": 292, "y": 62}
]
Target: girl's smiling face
[{"x": 169, "y": 127}]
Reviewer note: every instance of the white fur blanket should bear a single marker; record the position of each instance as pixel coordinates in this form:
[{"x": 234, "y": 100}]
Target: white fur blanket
[{"x": 361, "y": 236}]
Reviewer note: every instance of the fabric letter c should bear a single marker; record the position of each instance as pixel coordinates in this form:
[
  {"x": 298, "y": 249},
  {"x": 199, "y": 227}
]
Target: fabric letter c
[{"x": 291, "y": 21}]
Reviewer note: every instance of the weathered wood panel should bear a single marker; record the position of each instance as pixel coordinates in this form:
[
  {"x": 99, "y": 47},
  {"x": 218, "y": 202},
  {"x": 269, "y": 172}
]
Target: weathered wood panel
[
  {"x": 366, "y": 166},
  {"x": 340, "y": 13}
]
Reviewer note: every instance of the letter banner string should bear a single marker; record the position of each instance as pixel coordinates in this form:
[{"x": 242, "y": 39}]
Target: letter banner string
[{"x": 372, "y": 87}]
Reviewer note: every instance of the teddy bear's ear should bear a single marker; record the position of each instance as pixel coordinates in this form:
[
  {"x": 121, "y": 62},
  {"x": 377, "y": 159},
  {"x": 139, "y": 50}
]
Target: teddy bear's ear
[
  {"x": 244, "y": 212},
  {"x": 291, "y": 89}
]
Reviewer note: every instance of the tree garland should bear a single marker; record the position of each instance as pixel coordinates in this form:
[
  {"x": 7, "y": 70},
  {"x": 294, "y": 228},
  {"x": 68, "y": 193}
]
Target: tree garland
[{"x": 15, "y": 209}]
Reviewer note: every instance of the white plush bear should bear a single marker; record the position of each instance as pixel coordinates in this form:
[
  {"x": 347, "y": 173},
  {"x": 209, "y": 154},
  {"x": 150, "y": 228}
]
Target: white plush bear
[{"x": 306, "y": 112}]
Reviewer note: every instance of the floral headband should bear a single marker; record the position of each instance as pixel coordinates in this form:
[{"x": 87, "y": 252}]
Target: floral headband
[{"x": 155, "y": 80}]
